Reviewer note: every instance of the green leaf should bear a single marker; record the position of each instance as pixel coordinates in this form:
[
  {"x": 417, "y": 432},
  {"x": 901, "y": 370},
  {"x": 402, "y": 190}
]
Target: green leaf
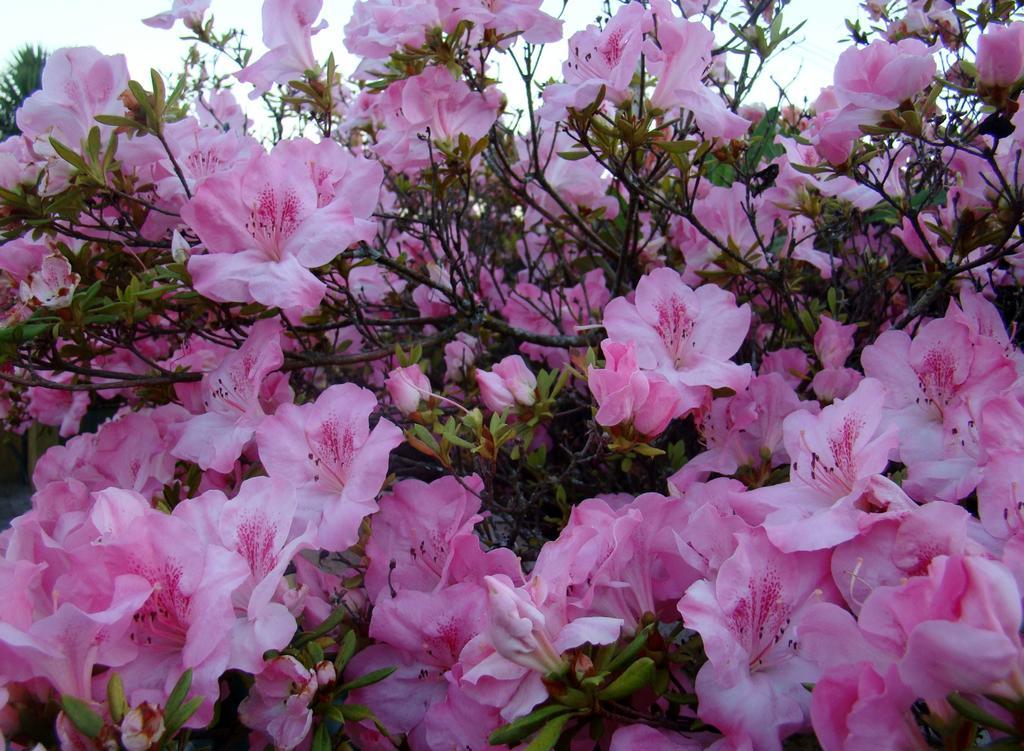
[
  {"x": 516, "y": 731},
  {"x": 345, "y": 651},
  {"x": 635, "y": 677},
  {"x": 82, "y": 717},
  {"x": 676, "y": 147},
  {"x": 976, "y": 714},
  {"x": 369, "y": 679},
  {"x": 548, "y": 736},
  {"x": 174, "y": 720},
  {"x": 330, "y": 623},
  {"x": 322, "y": 739},
  {"x": 68, "y": 155},
  {"x": 315, "y": 651},
  {"x": 355, "y": 712},
  {"x": 632, "y": 649},
  {"x": 178, "y": 693},
  {"x": 116, "y": 700},
  {"x": 573, "y": 156}
]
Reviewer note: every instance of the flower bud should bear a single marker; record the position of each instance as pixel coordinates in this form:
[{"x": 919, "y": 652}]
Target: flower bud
[
  {"x": 141, "y": 727},
  {"x": 326, "y": 675},
  {"x": 1001, "y": 55},
  {"x": 517, "y": 627},
  {"x": 180, "y": 248},
  {"x": 510, "y": 382},
  {"x": 407, "y": 387}
]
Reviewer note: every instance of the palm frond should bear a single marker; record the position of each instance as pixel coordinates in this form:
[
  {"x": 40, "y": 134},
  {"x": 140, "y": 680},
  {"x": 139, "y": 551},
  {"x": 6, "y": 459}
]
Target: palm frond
[{"x": 23, "y": 75}]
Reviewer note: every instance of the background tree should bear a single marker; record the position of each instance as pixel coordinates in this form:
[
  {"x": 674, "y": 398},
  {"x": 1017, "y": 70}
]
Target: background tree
[{"x": 22, "y": 76}]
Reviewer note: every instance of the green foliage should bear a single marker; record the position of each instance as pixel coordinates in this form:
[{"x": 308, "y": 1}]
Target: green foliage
[{"x": 24, "y": 75}]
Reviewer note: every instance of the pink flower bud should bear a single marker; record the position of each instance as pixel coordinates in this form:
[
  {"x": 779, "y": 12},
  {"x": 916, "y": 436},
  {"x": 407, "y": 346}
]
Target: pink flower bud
[
  {"x": 517, "y": 627},
  {"x": 408, "y": 387},
  {"x": 326, "y": 675},
  {"x": 510, "y": 382},
  {"x": 1001, "y": 55},
  {"x": 493, "y": 391},
  {"x": 518, "y": 378},
  {"x": 141, "y": 727}
]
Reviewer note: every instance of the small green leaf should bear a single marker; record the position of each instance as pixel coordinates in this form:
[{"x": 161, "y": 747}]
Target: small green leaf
[
  {"x": 174, "y": 720},
  {"x": 355, "y": 712},
  {"x": 330, "y": 623},
  {"x": 676, "y": 147},
  {"x": 635, "y": 677},
  {"x": 516, "y": 731},
  {"x": 178, "y": 693},
  {"x": 548, "y": 736},
  {"x": 976, "y": 714},
  {"x": 369, "y": 679},
  {"x": 346, "y": 649},
  {"x": 631, "y": 651},
  {"x": 322, "y": 739},
  {"x": 82, "y": 717},
  {"x": 68, "y": 155}
]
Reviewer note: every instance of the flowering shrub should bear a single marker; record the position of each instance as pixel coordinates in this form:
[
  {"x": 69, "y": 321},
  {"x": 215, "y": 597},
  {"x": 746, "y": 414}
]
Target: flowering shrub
[{"x": 631, "y": 416}]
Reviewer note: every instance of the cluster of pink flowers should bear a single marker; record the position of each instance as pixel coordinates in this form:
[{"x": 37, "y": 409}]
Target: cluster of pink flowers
[{"x": 644, "y": 420}]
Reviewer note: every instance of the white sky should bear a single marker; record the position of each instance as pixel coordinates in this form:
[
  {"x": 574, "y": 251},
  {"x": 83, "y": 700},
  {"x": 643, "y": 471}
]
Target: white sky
[{"x": 115, "y": 26}]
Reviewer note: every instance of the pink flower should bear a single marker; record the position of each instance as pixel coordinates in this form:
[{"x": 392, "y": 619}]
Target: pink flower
[
  {"x": 51, "y": 286},
  {"x": 423, "y": 539},
  {"x": 745, "y": 430},
  {"x": 623, "y": 563},
  {"x": 954, "y": 629},
  {"x": 65, "y": 644},
  {"x": 647, "y": 738},
  {"x": 434, "y": 103},
  {"x": 527, "y": 635},
  {"x": 833, "y": 342},
  {"x": 189, "y": 618},
  {"x": 231, "y": 398},
  {"x": 1000, "y": 58},
  {"x": 507, "y": 17},
  {"x": 680, "y": 60},
  {"x": 278, "y": 704},
  {"x": 265, "y": 226},
  {"x": 328, "y": 452},
  {"x": 408, "y": 387},
  {"x": 748, "y": 619},
  {"x": 683, "y": 334},
  {"x": 855, "y": 707},
  {"x": 833, "y": 132},
  {"x": 62, "y": 409},
  {"x": 459, "y": 357},
  {"x": 78, "y": 84},
  {"x": 935, "y": 384},
  {"x": 190, "y": 12},
  {"x": 287, "y": 31},
  {"x": 509, "y": 383},
  {"x": 1001, "y": 489},
  {"x": 600, "y": 57},
  {"x": 882, "y": 75},
  {"x": 625, "y": 394},
  {"x": 259, "y": 524},
  {"x": 378, "y": 28},
  {"x": 837, "y": 457},
  {"x": 896, "y": 548}
]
